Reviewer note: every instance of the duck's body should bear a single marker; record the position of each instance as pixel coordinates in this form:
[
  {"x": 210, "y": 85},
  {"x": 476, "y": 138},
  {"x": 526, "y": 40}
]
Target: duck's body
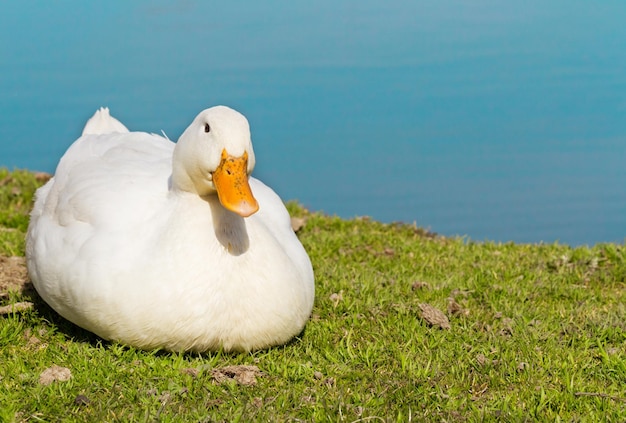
[{"x": 122, "y": 244}]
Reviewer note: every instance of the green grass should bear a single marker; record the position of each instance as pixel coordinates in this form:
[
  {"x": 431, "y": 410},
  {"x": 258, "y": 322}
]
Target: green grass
[
  {"x": 17, "y": 189},
  {"x": 540, "y": 336}
]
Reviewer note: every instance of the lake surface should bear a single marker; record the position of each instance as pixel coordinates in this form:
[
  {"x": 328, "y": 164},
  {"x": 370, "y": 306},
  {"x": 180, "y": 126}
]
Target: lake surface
[{"x": 490, "y": 119}]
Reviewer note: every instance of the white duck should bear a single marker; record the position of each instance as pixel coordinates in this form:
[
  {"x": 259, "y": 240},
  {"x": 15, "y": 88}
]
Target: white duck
[{"x": 160, "y": 245}]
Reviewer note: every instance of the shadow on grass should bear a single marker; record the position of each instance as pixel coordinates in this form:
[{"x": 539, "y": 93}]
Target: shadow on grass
[{"x": 70, "y": 330}]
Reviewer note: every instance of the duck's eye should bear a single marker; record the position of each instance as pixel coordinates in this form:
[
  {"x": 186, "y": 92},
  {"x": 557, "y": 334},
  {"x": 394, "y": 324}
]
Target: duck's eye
[{"x": 207, "y": 128}]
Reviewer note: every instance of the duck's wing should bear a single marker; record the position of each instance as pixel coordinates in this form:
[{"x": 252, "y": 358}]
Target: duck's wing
[{"x": 108, "y": 180}]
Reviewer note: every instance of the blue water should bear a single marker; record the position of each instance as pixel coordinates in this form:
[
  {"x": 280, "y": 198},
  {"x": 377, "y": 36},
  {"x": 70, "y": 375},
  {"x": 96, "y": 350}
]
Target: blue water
[{"x": 495, "y": 120}]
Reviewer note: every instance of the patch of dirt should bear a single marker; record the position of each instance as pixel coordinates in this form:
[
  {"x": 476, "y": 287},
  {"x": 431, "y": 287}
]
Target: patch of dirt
[
  {"x": 16, "y": 307},
  {"x": 483, "y": 361},
  {"x": 297, "y": 223},
  {"x": 329, "y": 381},
  {"x": 191, "y": 371},
  {"x": 243, "y": 375},
  {"x": 419, "y": 285},
  {"x": 81, "y": 400},
  {"x": 434, "y": 316},
  {"x": 33, "y": 341},
  {"x": 13, "y": 275},
  {"x": 455, "y": 308},
  {"x": 54, "y": 374},
  {"x": 42, "y": 177},
  {"x": 336, "y": 298}
]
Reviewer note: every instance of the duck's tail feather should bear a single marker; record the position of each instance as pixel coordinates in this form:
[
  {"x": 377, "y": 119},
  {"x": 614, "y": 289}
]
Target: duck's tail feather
[{"x": 103, "y": 123}]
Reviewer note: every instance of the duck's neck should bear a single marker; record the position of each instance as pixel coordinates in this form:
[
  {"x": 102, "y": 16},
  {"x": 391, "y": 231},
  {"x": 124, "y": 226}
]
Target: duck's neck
[{"x": 189, "y": 180}]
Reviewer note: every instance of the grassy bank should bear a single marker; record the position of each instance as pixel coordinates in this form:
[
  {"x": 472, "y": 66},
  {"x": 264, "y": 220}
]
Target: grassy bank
[{"x": 533, "y": 332}]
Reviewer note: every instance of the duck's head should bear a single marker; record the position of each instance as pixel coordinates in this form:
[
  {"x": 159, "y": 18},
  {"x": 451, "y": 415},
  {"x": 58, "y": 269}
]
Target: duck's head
[{"x": 214, "y": 155}]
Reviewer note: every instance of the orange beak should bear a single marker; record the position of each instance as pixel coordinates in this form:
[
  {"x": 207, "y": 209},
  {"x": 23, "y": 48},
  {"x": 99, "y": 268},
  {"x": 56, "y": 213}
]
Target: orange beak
[{"x": 231, "y": 182}]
